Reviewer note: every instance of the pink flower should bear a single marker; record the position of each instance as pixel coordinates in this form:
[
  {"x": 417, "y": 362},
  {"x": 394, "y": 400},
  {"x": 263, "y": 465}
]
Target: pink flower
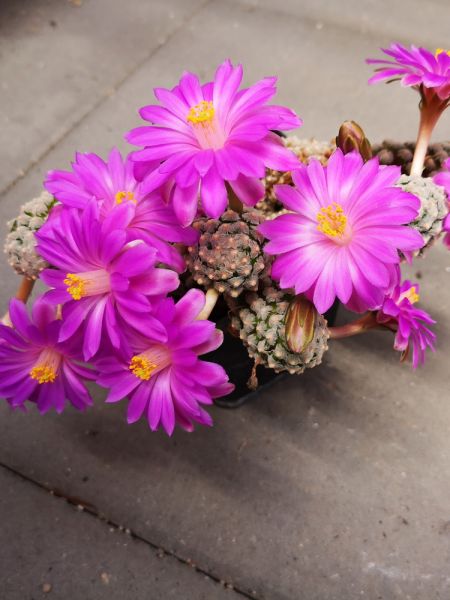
[
  {"x": 166, "y": 381},
  {"x": 411, "y": 332},
  {"x": 35, "y": 366},
  {"x": 415, "y": 67},
  {"x": 345, "y": 231},
  {"x": 443, "y": 178},
  {"x": 205, "y": 136},
  {"x": 101, "y": 279},
  {"x": 112, "y": 183},
  {"x": 446, "y": 229}
]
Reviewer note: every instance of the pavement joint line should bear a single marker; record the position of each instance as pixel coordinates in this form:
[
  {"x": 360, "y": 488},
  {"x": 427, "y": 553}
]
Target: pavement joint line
[
  {"x": 110, "y": 92},
  {"x": 370, "y": 33},
  {"x": 93, "y": 512}
]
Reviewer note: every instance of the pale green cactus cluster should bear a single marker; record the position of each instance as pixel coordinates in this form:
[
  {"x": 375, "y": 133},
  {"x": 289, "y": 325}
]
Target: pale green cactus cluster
[
  {"x": 261, "y": 327},
  {"x": 433, "y": 206},
  {"x": 20, "y": 244}
]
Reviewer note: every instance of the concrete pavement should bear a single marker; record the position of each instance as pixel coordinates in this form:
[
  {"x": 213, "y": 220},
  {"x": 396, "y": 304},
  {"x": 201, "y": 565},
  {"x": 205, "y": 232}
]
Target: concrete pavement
[{"x": 333, "y": 485}]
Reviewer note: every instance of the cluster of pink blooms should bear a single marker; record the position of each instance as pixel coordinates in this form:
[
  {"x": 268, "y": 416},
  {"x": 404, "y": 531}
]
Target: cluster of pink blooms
[
  {"x": 108, "y": 315},
  {"x": 111, "y": 246}
]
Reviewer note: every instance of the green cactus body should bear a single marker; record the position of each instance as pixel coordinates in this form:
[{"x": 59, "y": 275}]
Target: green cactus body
[
  {"x": 261, "y": 327},
  {"x": 229, "y": 255},
  {"x": 433, "y": 206},
  {"x": 20, "y": 244}
]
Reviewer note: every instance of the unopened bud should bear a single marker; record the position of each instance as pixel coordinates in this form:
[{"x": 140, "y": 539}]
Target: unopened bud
[
  {"x": 300, "y": 323},
  {"x": 351, "y": 137}
]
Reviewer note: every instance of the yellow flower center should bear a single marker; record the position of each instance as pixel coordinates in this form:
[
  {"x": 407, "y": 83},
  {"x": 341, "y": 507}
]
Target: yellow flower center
[
  {"x": 87, "y": 283},
  {"x": 75, "y": 286},
  {"x": 441, "y": 51},
  {"x": 332, "y": 220},
  {"x": 411, "y": 295},
  {"x": 142, "y": 367},
  {"x": 43, "y": 373},
  {"x": 46, "y": 367},
  {"x": 124, "y": 196},
  {"x": 203, "y": 112}
]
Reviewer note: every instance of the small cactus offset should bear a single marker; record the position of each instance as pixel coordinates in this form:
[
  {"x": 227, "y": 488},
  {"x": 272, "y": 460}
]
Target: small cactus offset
[
  {"x": 20, "y": 244},
  {"x": 433, "y": 208},
  {"x": 229, "y": 255},
  {"x": 262, "y": 328}
]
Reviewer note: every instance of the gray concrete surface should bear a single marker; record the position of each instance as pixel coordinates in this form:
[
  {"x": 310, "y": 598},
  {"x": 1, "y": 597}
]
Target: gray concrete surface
[
  {"x": 61, "y": 59},
  {"x": 334, "y": 485},
  {"x": 64, "y": 552}
]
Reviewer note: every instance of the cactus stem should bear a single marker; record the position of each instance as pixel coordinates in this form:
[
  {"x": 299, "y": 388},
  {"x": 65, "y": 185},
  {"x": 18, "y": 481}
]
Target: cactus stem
[
  {"x": 233, "y": 201},
  {"x": 23, "y": 293},
  {"x": 431, "y": 108},
  {"x": 366, "y": 322},
  {"x": 212, "y": 296},
  {"x": 25, "y": 289}
]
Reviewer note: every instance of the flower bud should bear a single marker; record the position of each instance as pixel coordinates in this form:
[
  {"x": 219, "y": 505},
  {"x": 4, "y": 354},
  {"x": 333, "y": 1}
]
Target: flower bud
[
  {"x": 352, "y": 137},
  {"x": 300, "y": 324}
]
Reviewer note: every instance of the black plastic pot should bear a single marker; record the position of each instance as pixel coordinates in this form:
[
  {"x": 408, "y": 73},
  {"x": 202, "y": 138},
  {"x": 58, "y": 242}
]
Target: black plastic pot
[{"x": 233, "y": 356}]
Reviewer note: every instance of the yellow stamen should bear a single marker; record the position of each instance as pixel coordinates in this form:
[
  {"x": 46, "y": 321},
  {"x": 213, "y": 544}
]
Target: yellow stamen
[
  {"x": 75, "y": 286},
  {"x": 142, "y": 367},
  {"x": 332, "y": 220},
  {"x": 43, "y": 373},
  {"x": 124, "y": 196},
  {"x": 203, "y": 112},
  {"x": 412, "y": 295},
  {"x": 441, "y": 51}
]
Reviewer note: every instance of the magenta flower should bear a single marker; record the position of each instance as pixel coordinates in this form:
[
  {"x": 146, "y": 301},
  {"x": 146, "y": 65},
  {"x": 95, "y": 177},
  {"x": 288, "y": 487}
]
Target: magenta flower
[
  {"x": 410, "y": 323},
  {"x": 207, "y": 135},
  {"x": 167, "y": 381},
  {"x": 343, "y": 236},
  {"x": 415, "y": 67},
  {"x": 35, "y": 366},
  {"x": 446, "y": 230},
  {"x": 427, "y": 73},
  {"x": 112, "y": 183},
  {"x": 101, "y": 279},
  {"x": 443, "y": 178}
]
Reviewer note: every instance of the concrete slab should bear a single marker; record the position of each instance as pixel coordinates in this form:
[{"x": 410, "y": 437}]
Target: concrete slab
[
  {"x": 324, "y": 85},
  {"x": 51, "y": 550},
  {"x": 414, "y": 22},
  {"x": 332, "y": 485},
  {"x": 59, "y": 59}
]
